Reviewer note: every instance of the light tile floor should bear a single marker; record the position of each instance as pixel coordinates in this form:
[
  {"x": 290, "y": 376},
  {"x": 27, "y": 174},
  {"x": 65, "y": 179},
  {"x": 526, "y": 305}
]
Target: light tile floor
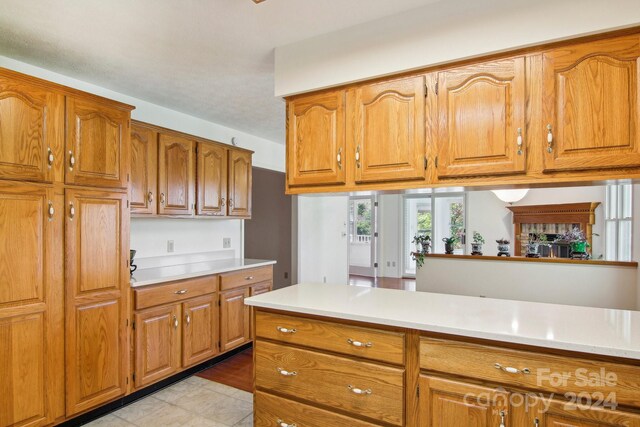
[{"x": 193, "y": 402}]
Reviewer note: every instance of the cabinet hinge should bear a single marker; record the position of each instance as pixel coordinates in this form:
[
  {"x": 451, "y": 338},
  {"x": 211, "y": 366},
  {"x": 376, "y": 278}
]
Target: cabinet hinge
[
  {"x": 375, "y": 265},
  {"x": 418, "y": 391},
  {"x": 436, "y": 162},
  {"x": 127, "y": 380},
  {"x": 219, "y": 303},
  {"x": 127, "y": 203},
  {"x": 133, "y": 325},
  {"x": 375, "y": 204},
  {"x": 426, "y": 90},
  {"x": 128, "y": 178},
  {"x": 133, "y": 377},
  {"x": 436, "y": 88},
  {"x": 426, "y": 163}
]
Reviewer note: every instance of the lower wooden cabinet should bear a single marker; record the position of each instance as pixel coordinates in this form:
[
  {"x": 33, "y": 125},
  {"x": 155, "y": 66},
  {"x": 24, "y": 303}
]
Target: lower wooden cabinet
[
  {"x": 235, "y": 328},
  {"x": 200, "y": 332}
]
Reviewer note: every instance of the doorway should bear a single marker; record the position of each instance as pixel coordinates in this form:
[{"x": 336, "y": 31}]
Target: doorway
[{"x": 363, "y": 233}]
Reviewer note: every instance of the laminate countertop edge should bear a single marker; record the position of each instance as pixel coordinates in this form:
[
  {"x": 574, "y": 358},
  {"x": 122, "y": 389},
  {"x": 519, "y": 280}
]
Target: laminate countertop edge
[
  {"x": 598, "y": 331},
  {"x": 152, "y": 276}
]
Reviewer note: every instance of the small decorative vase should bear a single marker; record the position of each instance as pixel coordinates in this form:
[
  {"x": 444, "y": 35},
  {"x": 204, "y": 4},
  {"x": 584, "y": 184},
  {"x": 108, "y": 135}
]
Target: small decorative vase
[
  {"x": 532, "y": 250},
  {"x": 503, "y": 249},
  {"x": 448, "y": 247},
  {"x": 426, "y": 247},
  {"x": 476, "y": 249}
]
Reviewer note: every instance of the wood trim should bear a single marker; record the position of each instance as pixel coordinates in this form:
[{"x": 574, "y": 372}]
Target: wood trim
[{"x": 541, "y": 260}]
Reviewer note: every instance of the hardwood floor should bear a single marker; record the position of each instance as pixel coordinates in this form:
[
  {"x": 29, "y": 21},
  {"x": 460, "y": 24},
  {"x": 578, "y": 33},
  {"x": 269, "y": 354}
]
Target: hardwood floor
[
  {"x": 236, "y": 371},
  {"x": 383, "y": 282}
]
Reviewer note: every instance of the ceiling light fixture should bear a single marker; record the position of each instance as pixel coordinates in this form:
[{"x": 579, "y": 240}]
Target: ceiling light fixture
[
  {"x": 258, "y": 1},
  {"x": 511, "y": 196}
]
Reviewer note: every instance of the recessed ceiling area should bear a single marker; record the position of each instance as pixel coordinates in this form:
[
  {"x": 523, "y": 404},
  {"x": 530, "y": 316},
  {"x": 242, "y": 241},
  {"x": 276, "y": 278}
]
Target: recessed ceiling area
[{"x": 210, "y": 59}]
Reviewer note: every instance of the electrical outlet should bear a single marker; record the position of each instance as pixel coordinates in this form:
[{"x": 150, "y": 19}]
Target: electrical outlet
[
  {"x": 388, "y": 263},
  {"x": 393, "y": 264},
  {"x": 170, "y": 246},
  {"x": 226, "y": 242}
]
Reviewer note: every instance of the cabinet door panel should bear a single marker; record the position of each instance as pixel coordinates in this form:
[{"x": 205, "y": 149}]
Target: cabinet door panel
[
  {"x": 200, "y": 329},
  {"x": 31, "y": 127},
  {"x": 97, "y": 282},
  {"x": 592, "y": 105},
  {"x": 212, "y": 179},
  {"x": 482, "y": 119},
  {"x": 240, "y": 175},
  {"x": 234, "y": 319},
  {"x": 157, "y": 344},
  {"x": 97, "y": 145},
  {"x": 387, "y": 130},
  {"x": 448, "y": 403},
  {"x": 144, "y": 170},
  {"x": 176, "y": 175},
  {"x": 316, "y": 140}
]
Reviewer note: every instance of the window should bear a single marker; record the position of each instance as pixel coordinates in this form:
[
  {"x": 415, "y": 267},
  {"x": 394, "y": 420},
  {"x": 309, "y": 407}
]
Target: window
[
  {"x": 437, "y": 216},
  {"x": 618, "y": 221}
]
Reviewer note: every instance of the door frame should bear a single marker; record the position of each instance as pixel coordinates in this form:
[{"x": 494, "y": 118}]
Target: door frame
[{"x": 372, "y": 269}]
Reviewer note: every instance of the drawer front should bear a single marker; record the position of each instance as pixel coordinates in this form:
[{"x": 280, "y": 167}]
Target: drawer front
[
  {"x": 362, "y": 388},
  {"x": 272, "y": 411},
  {"x": 549, "y": 373},
  {"x": 249, "y": 276},
  {"x": 352, "y": 340},
  {"x": 166, "y": 293}
]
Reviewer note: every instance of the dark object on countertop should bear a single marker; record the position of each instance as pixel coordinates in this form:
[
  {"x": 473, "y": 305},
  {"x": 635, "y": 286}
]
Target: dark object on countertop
[{"x": 132, "y": 266}]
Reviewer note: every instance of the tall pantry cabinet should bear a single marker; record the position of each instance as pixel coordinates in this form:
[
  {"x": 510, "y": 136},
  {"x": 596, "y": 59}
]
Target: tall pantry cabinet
[{"x": 64, "y": 170}]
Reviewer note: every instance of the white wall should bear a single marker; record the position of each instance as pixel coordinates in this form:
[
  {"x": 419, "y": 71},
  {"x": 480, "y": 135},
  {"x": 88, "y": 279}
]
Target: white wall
[
  {"x": 268, "y": 154},
  {"x": 149, "y": 236},
  {"x": 488, "y": 215},
  {"x": 322, "y": 239},
  {"x": 593, "y": 286},
  {"x": 439, "y": 33},
  {"x": 390, "y": 235}
]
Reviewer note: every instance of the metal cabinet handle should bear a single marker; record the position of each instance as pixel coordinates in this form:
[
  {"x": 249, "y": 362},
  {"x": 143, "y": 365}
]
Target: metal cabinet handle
[
  {"x": 359, "y": 391},
  {"x": 283, "y": 424},
  {"x": 150, "y": 196},
  {"x": 50, "y": 157},
  {"x": 162, "y": 199},
  {"x": 339, "y": 158},
  {"x": 187, "y": 319},
  {"x": 50, "y": 210},
  {"x": 286, "y": 330},
  {"x": 248, "y": 278},
  {"x": 286, "y": 373},
  {"x": 72, "y": 160},
  {"x": 181, "y": 292},
  {"x": 359, "y": 343},
  {"x": 511, "y": 370},
  {"x": 222, "y": 202},
  {"x": 72, "y": 211},
  {"x": 549, "y": 139},
  {"x": 503, "y": 414},
  {"x": 175, "y": 322},
  {"x": 231, "y": 203},
  {"x": 536, "y": 422},
  {"x": 519, "y": 141},
  {"x": 358, "y": 156}
]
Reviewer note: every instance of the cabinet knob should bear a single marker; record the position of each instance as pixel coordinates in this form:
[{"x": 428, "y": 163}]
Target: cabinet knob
[
  {"x": 175, "y": 322},
  {"x": 339, "y": 158},
  {"x": 50, "y": 211},
  {"x": 358, "y": 156},
  {"x": 359, "y": 391},
  {"x": 50, "y": 157},
  {"x": 283, "y": 424},
  {"x": 519, "y": 141},
  {"x": 536, "y": 422},
  {"x": 503, "y": 415},
  {"x": 72, "y": 160},
  {"x": 360, "y": 343},
  {"x": 549, "y": 139},
  {"x": 222, "y": 202},
  {"x": 187, "y": 319},
  {"x": 72, "y": 211},
  {"x": 150, "y": 196},
  {"x": 231, "y": 203},
  {"x": 286, "y": 373},
  {"x": 162, "y": 198},
  {"x": 248, "y": 278}
]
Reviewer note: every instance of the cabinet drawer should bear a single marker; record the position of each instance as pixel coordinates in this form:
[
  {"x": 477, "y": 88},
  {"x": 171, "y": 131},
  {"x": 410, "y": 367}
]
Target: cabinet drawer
[
  {"x": 237, "y": 279},
  {"x": 272, "y": 411},
  {"x": 352, "y": 340},
  {"x": 540, "y": 372},
  {"x": 370, "y": 390},
  {"x": 167, "y": 293}
]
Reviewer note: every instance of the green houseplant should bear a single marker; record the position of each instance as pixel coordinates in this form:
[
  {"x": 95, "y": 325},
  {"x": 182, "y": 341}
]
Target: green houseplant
[
  {"x": 476, "y": 245},
  {"x": 449, "y": 243},
  {"x": 423, "y": 247}
]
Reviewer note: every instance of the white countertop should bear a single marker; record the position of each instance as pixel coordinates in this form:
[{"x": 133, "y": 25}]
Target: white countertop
[
  {"x": 584, "y": 329},
  {"x": 150, "y": 276}
]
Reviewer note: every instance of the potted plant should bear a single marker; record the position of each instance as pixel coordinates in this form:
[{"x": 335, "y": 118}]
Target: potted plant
[
  {"x": 503, "y": 247},
  {"x": 476, "y": 245},
  {"x": 449, "y": 243},
  {"x": 423, "y": 243},
  {"x": 576, "y": 240},
  {"x": 535, "y": 240}
]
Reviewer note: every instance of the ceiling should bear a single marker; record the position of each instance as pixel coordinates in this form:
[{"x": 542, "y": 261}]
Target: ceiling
[{"x": 212, "y": 59}]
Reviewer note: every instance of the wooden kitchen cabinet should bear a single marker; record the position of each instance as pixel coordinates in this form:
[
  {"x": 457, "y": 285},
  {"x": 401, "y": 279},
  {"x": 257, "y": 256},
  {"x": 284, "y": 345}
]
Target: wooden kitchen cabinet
[
  {"x": 31, "y": 305},
  {"x": 211, "y": 179},
  {"x": 481, "y": 119},
  {"x": 176, "y": 175},
  {"x": 157, "y": 343},
  {"x": 591, "y": 105},
  {"x": 97, "y": 284},
  {"x": 97, "y": 144},
  {"x": 200, "y": 331},
  {"x": 386, "y": 130},
  {"x": 316, "y": 139},
  {"x": 31, "y": 130},
  {"x": 144, "y": 169},
  {"x": 235, "y": 329},
  {"x": 239, "y": 183}
]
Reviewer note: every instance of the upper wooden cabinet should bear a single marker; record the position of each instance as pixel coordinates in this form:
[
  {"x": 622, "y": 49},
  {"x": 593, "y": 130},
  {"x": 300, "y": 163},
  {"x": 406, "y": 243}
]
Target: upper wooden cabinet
[
  {"x": 592, "y": 105},
  {"x": 176, "y": 175},
  {"x": 239, "y": 183},
  {"x": 31, "y": 130},
  {"x": 386, "y": 130},
  {"x": 481, "y": 119},
  {"x": 316, "y": 139},
  {"x": 144, "y": 169},
  {"x": 212, "y": 179},
  {"x": 97, "y": 144}
]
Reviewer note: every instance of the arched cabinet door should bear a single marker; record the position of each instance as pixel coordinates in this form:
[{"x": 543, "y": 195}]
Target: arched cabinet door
[
  {"x": 144, "y": 169},
  {"x": 212, "y": 179},
  {"x": 316, "y": 140},
  {"x": 591, "y": 105},
  {"x": 386, "y": 130},
  {"x": 176, "y": 175},
  {"x": 240, "y": 177},
  {"x": 481, "y": 119}
]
